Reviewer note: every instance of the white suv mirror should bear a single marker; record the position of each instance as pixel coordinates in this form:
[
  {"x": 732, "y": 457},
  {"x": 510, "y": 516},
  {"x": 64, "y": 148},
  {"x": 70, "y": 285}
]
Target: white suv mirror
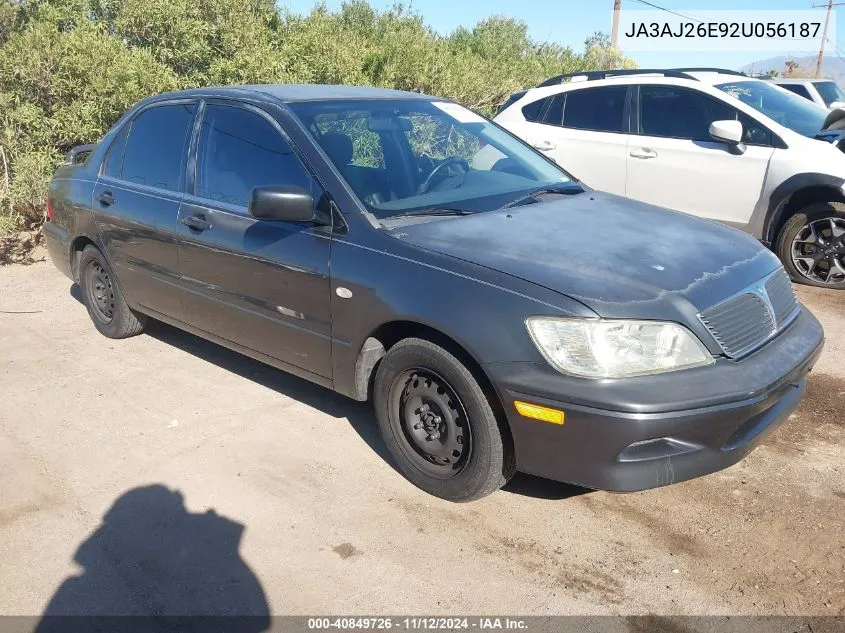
[
  {"x": 837, "y": 104},
  {"x": 728, "y": 131}
]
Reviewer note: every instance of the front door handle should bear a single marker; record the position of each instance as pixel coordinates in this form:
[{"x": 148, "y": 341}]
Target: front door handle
[
  {"x": 643, "y": 153},
  {"x": 106, "y": 198},
  {"x": 196, "y": 223},
  {"x": 543, "y": 146}
]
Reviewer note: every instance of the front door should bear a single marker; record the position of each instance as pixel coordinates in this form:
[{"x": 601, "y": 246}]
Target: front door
[
  {"x": 674, "y": 163},
  {"x": 262, "y": 284}
]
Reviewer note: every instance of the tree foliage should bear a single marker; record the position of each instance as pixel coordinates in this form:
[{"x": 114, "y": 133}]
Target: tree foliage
[{"x": 70, "y": 68}]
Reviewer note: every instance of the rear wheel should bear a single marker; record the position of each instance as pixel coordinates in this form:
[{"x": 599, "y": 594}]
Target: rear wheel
[
  {"x": 438, "y": 424},
  {"x": 811, "y": 245},
  {"x": 103, "y": 299}
]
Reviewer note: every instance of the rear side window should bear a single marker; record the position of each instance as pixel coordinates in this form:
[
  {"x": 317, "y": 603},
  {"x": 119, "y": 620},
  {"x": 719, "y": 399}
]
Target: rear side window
[
  {"x": 597, "y": 109},
  {"x": 157, "y": 144},
  {"x": 798, "y": 89},
  {"x": 534, "y": 110},
  {"x": 113, "y": 164},
  {"x": 239, "y": 150},
  {"x": 554, "y": 115}
]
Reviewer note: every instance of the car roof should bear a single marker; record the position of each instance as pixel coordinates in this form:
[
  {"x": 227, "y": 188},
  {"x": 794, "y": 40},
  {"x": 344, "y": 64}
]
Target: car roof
[
  {"x": 298, "y": 92},
  {"x": 778, "y": 80},
  {"x": 696, "y": 78}
]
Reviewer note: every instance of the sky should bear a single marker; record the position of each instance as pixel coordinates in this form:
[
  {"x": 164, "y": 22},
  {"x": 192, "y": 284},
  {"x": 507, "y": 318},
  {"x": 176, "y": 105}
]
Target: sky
[{"x": 569, "y": 22}]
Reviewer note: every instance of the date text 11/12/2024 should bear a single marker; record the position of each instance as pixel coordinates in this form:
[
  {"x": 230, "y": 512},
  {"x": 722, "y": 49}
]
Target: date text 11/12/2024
[{"x": 416, "y": 623}]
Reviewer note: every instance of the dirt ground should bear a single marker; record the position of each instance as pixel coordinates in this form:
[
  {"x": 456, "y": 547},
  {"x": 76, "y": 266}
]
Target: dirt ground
[{"x": 289, "y": 505}]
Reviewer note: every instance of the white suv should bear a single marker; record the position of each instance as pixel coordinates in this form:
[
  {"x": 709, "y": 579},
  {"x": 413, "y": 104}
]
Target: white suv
[
  {"x": 823, "y": 92},
  {"x": 712, "y": 143}
]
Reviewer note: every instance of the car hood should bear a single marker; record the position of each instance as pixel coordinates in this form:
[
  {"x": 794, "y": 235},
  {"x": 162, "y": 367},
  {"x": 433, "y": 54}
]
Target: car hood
[{"x": 619, "y": 257}]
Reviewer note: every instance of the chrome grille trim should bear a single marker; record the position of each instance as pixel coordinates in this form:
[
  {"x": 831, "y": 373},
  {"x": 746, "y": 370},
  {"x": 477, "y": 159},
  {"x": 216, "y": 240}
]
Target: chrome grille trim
[{"x": 744, "y": 322}]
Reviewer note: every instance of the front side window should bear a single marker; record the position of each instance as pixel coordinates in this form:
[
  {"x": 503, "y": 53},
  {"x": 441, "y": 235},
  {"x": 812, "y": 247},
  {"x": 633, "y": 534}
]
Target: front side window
[
  {"x": 674, "y": 112},
  {"x": 240, "y": 149},
  {"x": 157, "y": 145},
  {"x": 406, "y": 155},
  {"x": 785, "y": 108},
  {"x": 597, "y": 109},
  {"x": 830, "y": 92}
]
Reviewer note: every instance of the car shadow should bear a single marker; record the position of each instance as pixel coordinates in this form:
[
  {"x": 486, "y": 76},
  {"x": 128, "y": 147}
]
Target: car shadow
[
  {"x": 359, "y": 414},
  {"x": 539, "y": 488},
  {"x": 153, "y": 566}
]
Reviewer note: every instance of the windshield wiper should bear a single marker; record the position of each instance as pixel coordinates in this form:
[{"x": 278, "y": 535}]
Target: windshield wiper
[
  {"x": 435, "y": 211},
  {"x": 568, "y": 188}
]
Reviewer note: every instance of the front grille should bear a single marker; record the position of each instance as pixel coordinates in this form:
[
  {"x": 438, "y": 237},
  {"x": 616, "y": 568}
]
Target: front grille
[
  {"x": 745, "y": 321},
  {"x": 782, "y": 296}
]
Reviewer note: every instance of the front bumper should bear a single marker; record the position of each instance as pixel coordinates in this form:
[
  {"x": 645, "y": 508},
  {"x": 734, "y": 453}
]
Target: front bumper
[{"x": 639, "y": 433}]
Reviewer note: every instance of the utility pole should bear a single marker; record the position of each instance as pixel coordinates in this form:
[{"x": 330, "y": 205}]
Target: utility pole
[
  {"x": 614, "y": 33},
  {"x": 830, "y": 5}
]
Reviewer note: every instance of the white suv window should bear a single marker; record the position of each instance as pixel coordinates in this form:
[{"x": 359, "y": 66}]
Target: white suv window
[
  {"x": 598, "y": 109},
  {"x": 673, "y": 112}
]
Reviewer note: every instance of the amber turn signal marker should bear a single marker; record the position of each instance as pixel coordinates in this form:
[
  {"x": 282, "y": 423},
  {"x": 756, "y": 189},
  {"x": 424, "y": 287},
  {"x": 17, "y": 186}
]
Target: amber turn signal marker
[{"x": 536, "y": 412}]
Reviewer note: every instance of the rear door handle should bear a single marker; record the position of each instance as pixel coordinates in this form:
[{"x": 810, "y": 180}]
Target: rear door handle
[
  {"x": 196, "y": 222},
  {"x": 106, "y": 198},
  {"x": 643, "y": 153},
  {"x": 543, "y": 146}
]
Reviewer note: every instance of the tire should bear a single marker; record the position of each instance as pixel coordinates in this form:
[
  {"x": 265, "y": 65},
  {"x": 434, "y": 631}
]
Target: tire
[
  {"x": 103, "y": 298},
  {"x": 795, "y": 241},
  {"x": 455, "y": 451}
]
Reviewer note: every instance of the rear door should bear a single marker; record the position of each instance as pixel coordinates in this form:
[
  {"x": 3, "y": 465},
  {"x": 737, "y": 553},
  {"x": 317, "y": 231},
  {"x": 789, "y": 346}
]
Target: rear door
[
  {"x": 136, "y": 203},
  {"x": 262, "y": 284},
  {"x": 585, "y": 132},
  {"x": 673, "y": 162}
]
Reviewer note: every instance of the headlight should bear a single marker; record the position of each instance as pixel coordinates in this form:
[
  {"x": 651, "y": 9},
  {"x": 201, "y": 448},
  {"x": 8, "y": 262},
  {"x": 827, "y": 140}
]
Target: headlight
[{"x": 616, "y": 349}]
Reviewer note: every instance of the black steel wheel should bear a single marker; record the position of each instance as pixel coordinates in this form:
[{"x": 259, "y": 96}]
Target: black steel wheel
[
  {"x": 812, "y": 246},
  {"x": 432, "y": 422},
  {"x": 438, "y": 424},
  {"x": 102, "y": 297},
  {"x": 100, "y": 291}
]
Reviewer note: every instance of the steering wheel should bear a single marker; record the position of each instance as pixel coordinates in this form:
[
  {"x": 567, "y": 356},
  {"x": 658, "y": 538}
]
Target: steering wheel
[{"x": 448, "y": 162}]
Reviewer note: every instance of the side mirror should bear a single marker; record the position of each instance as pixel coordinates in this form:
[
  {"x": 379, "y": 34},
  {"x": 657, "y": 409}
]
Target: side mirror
[
  {"x": 730, "y": 132},
  {"x": 281, "y": 202},
  {"x": 836, "y": 105}
]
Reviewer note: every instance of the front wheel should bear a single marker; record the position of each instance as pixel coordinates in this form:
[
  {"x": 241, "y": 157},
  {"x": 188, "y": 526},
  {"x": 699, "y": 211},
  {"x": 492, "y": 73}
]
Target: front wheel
[
  {"x": 437, "y": 422},
  {"x": 811, "y": 245}
]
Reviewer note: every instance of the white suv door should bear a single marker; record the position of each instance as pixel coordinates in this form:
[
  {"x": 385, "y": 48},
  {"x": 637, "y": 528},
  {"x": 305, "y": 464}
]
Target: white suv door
[
  {"x": 673, "y": 162},
  {"x": 583, "y": 130}
]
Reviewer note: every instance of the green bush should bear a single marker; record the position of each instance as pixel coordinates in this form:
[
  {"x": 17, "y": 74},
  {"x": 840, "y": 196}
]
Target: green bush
[{"x": 70, "y": 68}]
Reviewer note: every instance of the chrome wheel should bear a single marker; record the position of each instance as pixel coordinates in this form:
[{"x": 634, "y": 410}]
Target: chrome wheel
[{"x": 818, "y": 251}]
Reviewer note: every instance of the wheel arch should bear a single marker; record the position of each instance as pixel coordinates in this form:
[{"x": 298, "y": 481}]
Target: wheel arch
[
  {"x": 386, "y": 335},
  {"x": 77, "y": 245},
  {"x": 796, "y": 193}
]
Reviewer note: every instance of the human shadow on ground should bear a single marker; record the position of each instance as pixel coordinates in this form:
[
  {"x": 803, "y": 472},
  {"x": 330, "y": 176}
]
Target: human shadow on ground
[{"x": 153, "y": 566}]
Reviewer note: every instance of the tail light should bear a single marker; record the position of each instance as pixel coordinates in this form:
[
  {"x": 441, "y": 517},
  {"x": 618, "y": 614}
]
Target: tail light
[{"x": 51, "y": 215}]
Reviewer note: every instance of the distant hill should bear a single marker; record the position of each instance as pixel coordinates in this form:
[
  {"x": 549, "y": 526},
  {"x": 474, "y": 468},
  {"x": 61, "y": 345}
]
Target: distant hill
[{"x": 832, "y": 67}]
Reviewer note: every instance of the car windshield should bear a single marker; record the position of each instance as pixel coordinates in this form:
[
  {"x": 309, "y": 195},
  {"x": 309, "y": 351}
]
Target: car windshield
[
  {"x": 414, "y": 156},
  {"x": 830, "y": 91},
  {"x": 790, "y": 110}
]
